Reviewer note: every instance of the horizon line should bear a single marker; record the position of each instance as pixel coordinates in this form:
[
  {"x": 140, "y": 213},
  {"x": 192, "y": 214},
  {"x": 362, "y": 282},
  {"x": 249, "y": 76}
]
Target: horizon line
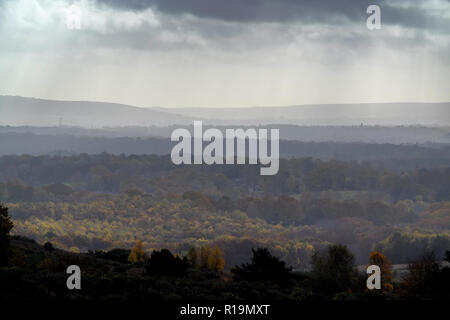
[{"x": 221, "y": 107}]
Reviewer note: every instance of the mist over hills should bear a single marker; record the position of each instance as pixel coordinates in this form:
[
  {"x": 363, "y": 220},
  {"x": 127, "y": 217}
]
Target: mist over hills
[
  {"x": 345, "y": 134},
  {"x": 387, "y": 114},
  {"x": 39, "y": 112},
  {"x": 20, "y": 111},
  {"x": 396, "y": 157}
]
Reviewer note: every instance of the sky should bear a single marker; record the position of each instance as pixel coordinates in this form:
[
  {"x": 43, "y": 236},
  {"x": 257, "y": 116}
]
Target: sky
[{"x": 209, "y": 53}]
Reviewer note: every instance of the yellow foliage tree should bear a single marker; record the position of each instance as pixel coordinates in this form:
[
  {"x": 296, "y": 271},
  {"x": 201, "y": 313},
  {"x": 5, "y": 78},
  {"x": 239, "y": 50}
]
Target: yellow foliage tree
[
  {"x": 137, "y": 254},
  {"x": 379, "y": 259},
  {"x": 204, "y": 256},
  {"x": 216, "y": 262}
]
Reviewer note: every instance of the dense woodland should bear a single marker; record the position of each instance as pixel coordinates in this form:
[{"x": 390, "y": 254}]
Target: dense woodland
[
  {"x": 29, "y": 271},
  {"x": 101, "y": 202},
  {"x": 326, "y": 143},
  {"x": 342, "y": 134}
]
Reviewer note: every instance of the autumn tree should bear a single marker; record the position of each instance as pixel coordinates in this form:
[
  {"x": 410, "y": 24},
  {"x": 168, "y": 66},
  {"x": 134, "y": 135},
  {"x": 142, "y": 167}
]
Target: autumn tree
[
  {"x": 5, "y": 227},
  {"x": 137, "y": 254},
  {"x": 216, "y": 262},
  {"x": 205, "y": 252},
  {"x": 427, "y": 278},
  {"x": 422, "y": 280},
  {"x": 380, "y": 260}
]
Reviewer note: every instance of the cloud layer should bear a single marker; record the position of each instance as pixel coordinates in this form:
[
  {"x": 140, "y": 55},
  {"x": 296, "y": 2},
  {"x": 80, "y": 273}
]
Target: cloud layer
[
  {"x": 226, "y": 53},
  {"x": 421, "y": 14}
]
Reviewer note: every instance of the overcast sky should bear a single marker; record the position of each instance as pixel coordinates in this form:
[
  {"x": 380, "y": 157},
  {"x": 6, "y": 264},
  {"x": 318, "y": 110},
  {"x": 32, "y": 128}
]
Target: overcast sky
[{"x": 228, "y": 53}]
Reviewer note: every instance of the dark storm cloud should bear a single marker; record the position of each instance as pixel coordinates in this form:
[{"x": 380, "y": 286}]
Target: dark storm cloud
[
  {"x": 285, "y": 11},
  {"x": 416, "y": 17},
  {"x": 253, "y": 10}
]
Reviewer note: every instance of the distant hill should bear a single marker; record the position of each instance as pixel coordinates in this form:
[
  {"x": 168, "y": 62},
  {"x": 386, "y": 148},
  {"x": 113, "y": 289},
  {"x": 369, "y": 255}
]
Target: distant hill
[
  {"x": 427, "y": 114},
  {"x": 38, "y": 112},
  {"x": 19, "y": 111}
]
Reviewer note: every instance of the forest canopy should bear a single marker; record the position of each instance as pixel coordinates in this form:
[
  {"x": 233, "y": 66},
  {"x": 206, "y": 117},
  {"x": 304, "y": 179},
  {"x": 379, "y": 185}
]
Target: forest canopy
[{"x": 91, "y": 202}]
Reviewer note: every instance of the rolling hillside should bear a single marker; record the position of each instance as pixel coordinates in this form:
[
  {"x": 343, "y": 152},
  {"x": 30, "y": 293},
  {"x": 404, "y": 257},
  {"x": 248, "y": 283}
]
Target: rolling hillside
[
  {"x": 38, "y": 112},
  {"x": 19, "y": 111}
]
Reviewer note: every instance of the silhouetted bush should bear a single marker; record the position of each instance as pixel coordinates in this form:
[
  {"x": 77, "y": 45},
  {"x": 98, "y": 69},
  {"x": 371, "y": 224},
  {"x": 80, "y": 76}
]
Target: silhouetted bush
[
  {"x": 48, "y": 246},
  {"x": 264, "y": 267},
  {"x": 164, "y": 263}
]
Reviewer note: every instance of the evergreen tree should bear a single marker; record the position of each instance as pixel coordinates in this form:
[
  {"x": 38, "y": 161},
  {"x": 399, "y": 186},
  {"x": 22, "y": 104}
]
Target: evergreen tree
[
  {"x": 334, "y": 271},
  {"x": 264, "y": 267}
]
